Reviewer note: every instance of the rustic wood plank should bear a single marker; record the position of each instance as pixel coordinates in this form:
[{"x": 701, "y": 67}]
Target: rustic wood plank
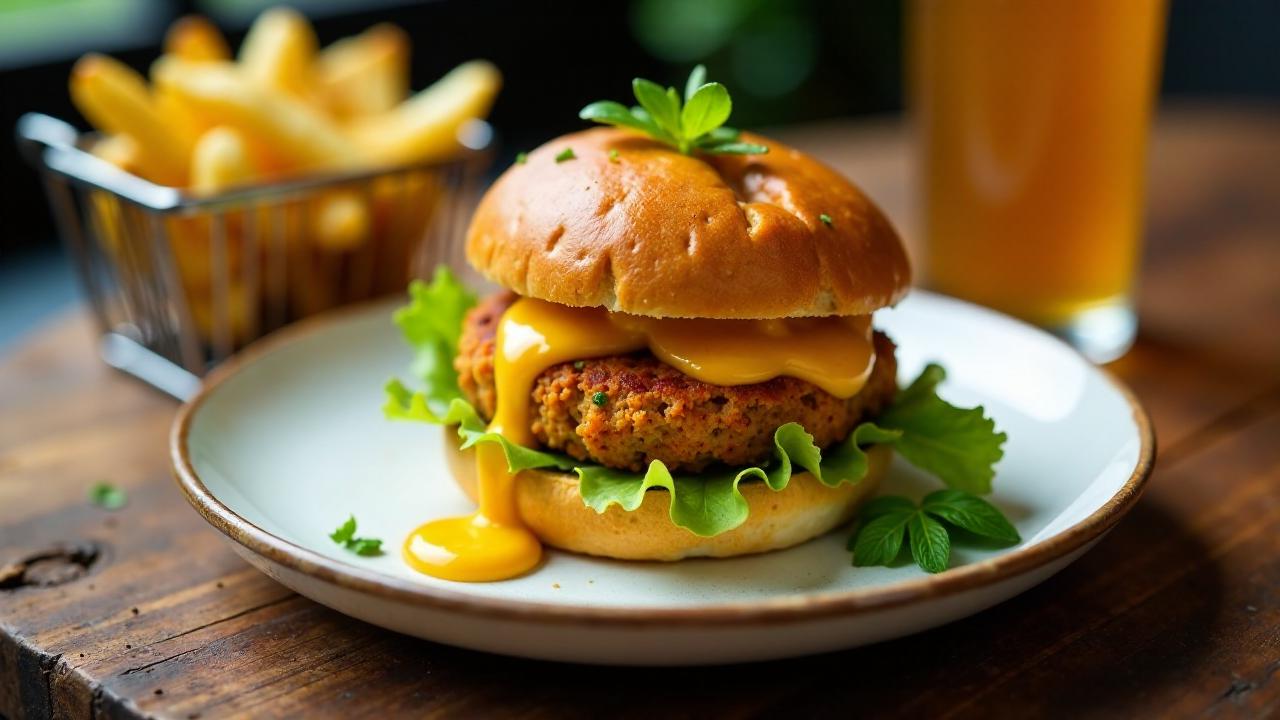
[{"x": 1176, "y": 611}]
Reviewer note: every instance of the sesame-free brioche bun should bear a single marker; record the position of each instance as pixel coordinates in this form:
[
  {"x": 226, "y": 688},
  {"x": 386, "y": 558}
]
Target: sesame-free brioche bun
[
  {"x": 552, "y": 508},
  {"x": 650, "y": 231}
]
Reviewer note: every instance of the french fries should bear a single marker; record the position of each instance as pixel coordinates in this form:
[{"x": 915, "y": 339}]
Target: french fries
[
  {"x": 221, "y": 160},
  {"x": 279, "y": 53},
  {"x": 365, "y": 75},
  {"x": 196, "y": 39},
  {"x": 181, "y": 118},
  {"x": 341, "y": 221},
  {"x": 119, "y": 150},
  {"x": 425, "y": 127},
  {"x": 288, "y": 129},
  {"x": 297, "y": 108},
  {"x": 116, "y": 100},
  {"x": 214, "y": 120}
]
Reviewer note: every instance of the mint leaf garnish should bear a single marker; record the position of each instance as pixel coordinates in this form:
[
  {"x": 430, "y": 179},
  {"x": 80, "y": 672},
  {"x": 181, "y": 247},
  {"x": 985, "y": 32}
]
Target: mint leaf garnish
[
  {"x": 887, "y": 520},
  {"x": 971, "y": 513},
  {"x": 707, "y": 110},
  {"x": 930, "y": 543},
  {"x": 697, "y": 78},
  {"x": 697, "y": 123},
  {"x": 880, "y": 540}
]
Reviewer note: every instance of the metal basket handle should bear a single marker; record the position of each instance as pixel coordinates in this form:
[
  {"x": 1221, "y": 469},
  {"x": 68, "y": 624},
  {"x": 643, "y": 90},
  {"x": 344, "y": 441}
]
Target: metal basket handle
[{"x": 52, "y": 144}]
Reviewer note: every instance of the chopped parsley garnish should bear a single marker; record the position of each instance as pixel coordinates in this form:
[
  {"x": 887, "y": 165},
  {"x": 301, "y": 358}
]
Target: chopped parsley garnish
[
  {"x": 826, "y": 219},
  {"x": 565, "y": 154},
  {"x": 345, "y": 536},
  {"x": 108, "y": 496},
  {"x": 522, "y": 158},
  {"x": 696, "y": 124},
  {"x": 613, "y": 155},
  {"x": 579, "y": 364},
  {"x": 600, "y": 399}
]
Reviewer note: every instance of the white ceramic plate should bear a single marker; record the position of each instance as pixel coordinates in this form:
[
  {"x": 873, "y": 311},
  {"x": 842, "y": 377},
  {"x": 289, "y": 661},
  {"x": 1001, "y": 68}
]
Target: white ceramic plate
[{"x": 288, "y": 439}]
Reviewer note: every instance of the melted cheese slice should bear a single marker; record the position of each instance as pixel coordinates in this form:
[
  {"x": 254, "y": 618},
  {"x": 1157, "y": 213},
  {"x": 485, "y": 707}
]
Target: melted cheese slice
[{"x": 833, "y": 353}]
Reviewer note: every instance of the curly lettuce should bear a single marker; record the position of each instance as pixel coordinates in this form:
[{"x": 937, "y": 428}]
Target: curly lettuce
[
  {"x": 710, "y": 503},
  {"x": 705, "y": 504},
  {"x": 958, "y": 445},
  {"x": 405, "y": 404},
  {"x": 432, "y": 324}
]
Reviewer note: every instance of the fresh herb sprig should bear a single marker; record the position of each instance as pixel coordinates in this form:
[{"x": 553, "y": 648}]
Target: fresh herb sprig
[
  {"x": 108, "y": 496},
  {"x": 696, "y": 124},
  {"x": 886, "y": 521},
  {"x": 959, "y": 446},
  {"x": 345, "y": 536}
]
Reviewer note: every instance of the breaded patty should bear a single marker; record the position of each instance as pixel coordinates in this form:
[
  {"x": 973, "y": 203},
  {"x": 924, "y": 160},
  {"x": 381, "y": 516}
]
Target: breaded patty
[{"x": 651, "y": 411}]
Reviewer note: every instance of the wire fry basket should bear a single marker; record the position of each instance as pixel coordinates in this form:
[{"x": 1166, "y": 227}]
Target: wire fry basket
[{"x": 178, "y": 282}]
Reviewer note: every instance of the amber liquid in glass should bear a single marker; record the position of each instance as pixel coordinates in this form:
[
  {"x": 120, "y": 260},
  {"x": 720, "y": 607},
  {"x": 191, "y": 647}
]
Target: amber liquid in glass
[{"x": 1032, "y": 119}]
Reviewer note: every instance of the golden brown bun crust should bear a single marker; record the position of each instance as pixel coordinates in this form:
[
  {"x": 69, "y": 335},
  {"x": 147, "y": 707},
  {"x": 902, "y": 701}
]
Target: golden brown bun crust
[
  {"x": 662, "y": 234},
  {"x": 552, "y": 508}
]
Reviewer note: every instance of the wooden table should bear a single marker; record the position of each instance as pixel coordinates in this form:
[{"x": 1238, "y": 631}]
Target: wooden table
[{"x": 1177, "y": 612}]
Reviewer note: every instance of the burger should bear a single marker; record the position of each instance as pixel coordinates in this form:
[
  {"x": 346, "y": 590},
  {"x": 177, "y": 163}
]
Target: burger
[{"x": 681, "y": 360}]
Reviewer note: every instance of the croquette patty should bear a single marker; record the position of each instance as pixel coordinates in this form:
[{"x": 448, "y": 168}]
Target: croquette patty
[{"x": 625, "y": 411}]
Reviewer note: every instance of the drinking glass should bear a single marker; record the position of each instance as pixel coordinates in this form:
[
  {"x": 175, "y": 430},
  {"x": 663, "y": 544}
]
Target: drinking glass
[{"x": 1032, "y": 119}]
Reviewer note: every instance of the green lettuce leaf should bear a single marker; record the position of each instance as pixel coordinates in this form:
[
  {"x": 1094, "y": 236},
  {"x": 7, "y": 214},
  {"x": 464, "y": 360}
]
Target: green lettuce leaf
[
  {"x": 706, "y": 504},
  {"x": 404, "y": 404},
  {"x": 710, "y": 503},
  {"x": 431, "y": 324},
  {"x": 959, "y": 446}
]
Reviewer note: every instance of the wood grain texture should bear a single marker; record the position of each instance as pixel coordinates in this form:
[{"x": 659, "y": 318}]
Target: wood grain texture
[{"x": 1175, "y": 613}]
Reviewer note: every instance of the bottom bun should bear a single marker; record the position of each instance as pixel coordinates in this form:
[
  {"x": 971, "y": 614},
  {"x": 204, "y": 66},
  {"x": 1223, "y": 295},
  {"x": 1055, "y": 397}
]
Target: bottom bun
[{"x": 552, "y": 508}]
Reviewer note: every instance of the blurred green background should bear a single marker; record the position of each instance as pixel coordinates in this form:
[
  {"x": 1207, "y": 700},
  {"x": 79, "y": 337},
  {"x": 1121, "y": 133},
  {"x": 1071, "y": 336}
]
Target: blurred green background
[{"x": 785, "y": 61}]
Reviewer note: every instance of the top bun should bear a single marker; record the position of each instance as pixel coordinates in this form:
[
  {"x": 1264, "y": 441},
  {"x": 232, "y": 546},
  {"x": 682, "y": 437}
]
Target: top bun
[{"x": 657, "y": 233}]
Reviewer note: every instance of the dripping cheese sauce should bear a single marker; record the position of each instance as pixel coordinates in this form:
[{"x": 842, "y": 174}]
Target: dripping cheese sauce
[{"x": 833, "y": 353}]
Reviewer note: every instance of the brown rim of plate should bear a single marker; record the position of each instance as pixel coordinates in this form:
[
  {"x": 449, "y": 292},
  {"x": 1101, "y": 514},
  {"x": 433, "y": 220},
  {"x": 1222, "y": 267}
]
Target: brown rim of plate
[{"x": 796, "y": 608}]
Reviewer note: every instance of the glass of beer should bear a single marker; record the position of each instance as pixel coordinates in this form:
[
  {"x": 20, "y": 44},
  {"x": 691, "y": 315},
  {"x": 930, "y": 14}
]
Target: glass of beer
[{"x": 1032, "y": 119}]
